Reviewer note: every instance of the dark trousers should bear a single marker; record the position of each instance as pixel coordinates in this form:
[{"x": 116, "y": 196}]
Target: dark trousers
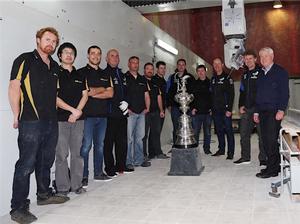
[
  {"x": 116, "y": 136},
  {"x": 175, "y": 114},
  {"x": 204, "y": 120},
  {"x": 162, "y": 121},
  {"x": 37, "y": 141},
  {"x": 269, "y": 132},
  {"x": 152, "y": 129},
  {"x": 223, "y": 125},
  {"x": 246, "y": 128}
]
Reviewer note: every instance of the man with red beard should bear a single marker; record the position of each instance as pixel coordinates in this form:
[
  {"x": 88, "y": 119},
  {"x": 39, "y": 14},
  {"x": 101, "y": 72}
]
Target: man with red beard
[{"x": 32, "y": 96}]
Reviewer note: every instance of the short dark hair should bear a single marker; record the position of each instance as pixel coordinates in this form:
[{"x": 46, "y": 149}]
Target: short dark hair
[
  {"x": 133, "y": 57},
  {"x": 250, "y": 52},
  {"x": 159, "y": 63},
  {"x": 94, "y": 46},
  {"x": 181, "y": 59},
  {"x": 66, "y": 45},
  {"x": 201, "y": 66},
  {"x": 148, "y": 63}
]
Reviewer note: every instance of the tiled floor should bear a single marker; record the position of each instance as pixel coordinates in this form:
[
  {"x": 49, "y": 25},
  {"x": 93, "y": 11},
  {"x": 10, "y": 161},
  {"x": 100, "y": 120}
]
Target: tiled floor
[{"x": 224, "y": 194}]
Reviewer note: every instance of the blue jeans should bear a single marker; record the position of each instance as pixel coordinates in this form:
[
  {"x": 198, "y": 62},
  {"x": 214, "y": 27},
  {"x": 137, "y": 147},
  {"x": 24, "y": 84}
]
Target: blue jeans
[
  {"x": 202, "y": 119},
  {"x": 37, "y": 141},
  {"x": 135, "y": 133},
  {"x": 94, "y": 132},
  {"x": 223, "y": 124}
]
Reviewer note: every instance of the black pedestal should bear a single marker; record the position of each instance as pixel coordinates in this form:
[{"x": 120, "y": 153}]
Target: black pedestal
[{"x": 185, "y": 162}]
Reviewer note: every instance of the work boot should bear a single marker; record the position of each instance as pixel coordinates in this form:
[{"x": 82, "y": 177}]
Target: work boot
[
  {"x": 22, "y": 216},
  {"x": 52, "y": 199}
]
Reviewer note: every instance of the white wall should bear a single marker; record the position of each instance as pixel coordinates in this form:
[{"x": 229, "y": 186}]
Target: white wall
[{"x": 109, "y": 24}]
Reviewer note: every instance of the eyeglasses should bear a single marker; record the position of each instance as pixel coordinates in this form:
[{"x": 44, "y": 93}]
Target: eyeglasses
[{"x": 68, "y": 53}]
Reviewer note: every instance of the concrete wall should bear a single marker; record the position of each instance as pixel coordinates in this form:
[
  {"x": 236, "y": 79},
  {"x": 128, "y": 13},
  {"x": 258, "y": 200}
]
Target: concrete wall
[{"x": 109, "y": 24}]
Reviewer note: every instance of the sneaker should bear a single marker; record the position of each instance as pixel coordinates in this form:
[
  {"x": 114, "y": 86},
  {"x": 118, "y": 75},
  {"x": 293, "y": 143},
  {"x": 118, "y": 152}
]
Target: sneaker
[
  {"x": 102, "y": 177},
  {"x": 112, "y": 174},
  {"x": 218, "y": 153},
  {"x": 80, "y": 190},
  {"x": 242, "y": 161},
  {"x": 62, "y": 193},
  {"x": 128, "y": 169},
  {"x": 22, "y": 216},
  {"x": 146, "y": 164},
  {"x": 85, "y": 182},
  {"x": 163, "y": 156},
  {"x": 229, "y": 157},
  {"x": 53, "y": 199},
  {"x": 207, "y": 152},
  {"x": 129, "y": 166}
]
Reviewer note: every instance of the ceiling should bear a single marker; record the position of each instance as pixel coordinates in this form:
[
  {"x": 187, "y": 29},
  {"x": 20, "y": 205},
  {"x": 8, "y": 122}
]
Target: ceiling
[{"x": 146, "y": 6}]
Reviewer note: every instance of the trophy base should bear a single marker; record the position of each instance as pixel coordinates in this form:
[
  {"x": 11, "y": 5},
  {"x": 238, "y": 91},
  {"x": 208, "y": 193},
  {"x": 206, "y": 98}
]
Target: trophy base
[
  {"x": 185, "y": 162},
  {"x": 185, "y": 146}
]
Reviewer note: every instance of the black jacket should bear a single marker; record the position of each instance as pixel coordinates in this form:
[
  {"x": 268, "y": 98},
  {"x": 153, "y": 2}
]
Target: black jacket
[
  {"x": 222, "y": 89},
  {"x": 173, "y": 81},
  {"x": 248, "y": 87},
  {"x": 202, "y": 96},
  {"x": 119, "y": 84}
]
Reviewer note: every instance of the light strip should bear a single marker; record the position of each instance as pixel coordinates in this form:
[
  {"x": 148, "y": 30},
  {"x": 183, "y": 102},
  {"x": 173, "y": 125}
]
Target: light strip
[
  {"x": 277, "y": 4},
  {"x": 167, "y": 47}
]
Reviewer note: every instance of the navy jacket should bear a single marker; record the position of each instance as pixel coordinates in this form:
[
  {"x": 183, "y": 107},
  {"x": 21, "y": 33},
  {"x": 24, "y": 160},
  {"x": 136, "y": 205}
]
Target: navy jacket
[{"x": 273, "y": 90}]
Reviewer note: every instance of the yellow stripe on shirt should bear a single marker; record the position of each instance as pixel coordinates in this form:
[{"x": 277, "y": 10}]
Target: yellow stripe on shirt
[
  {"x": 21, "y": 68},
  {"x": 29, "y": 93}
]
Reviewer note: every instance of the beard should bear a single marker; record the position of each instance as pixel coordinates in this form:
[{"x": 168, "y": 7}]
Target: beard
[{"x": 48, "y": 49}]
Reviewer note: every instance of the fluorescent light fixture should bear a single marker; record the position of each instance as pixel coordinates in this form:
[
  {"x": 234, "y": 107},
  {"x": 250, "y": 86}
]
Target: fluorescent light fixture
[
  {"x": 277, "y": 4},
  {"x": 166, "y": 47}
]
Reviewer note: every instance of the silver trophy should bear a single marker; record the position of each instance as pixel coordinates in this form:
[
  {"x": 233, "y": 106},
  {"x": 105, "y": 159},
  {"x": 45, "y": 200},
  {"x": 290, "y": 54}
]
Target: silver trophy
[{"x": 185, "y": 137}]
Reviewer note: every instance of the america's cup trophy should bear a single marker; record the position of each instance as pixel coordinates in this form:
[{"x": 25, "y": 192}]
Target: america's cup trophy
[
  {"x": 185, "y": 137},
  {"x": 186, "y": 159}
]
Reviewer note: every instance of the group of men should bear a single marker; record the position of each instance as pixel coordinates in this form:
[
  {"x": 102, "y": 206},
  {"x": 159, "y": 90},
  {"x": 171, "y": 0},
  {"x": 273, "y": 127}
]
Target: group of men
[
  {"x": 264, "y": 96},
  {"x": 59, "y": 110}
]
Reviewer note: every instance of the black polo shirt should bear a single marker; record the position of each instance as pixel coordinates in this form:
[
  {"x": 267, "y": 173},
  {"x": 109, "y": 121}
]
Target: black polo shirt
[
  {"x": 154, "y": 92},
  {"x": 70, "y": 87},
  {"x": 38, "y": 86},
  {"x": 136, "y": 88},
  {"x": 96, "y": 78},
  {"x": 162, "y": 85}
]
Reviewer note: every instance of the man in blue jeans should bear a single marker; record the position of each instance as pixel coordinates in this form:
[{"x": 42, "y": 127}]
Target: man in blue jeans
[
  {"x": 138, "y": 105},
  {"x": 201, "y": 107},
  {"x": 222, "y": 102},
  {"x": 100, "y": 89},
  {"x": 32, "y": 96}
]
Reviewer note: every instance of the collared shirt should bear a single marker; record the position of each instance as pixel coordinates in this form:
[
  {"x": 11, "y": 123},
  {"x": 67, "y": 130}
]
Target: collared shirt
[
  {"x": 154, "y": 92},
  {"x": 71, "y": 85},
  {"x": 38, "y": 86},
  {"x": 267, "y": 68},
  {"x": 96, "y": 78},
  {"x": 162, "y": 85},
  {"x": 136, "y": 88}
]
